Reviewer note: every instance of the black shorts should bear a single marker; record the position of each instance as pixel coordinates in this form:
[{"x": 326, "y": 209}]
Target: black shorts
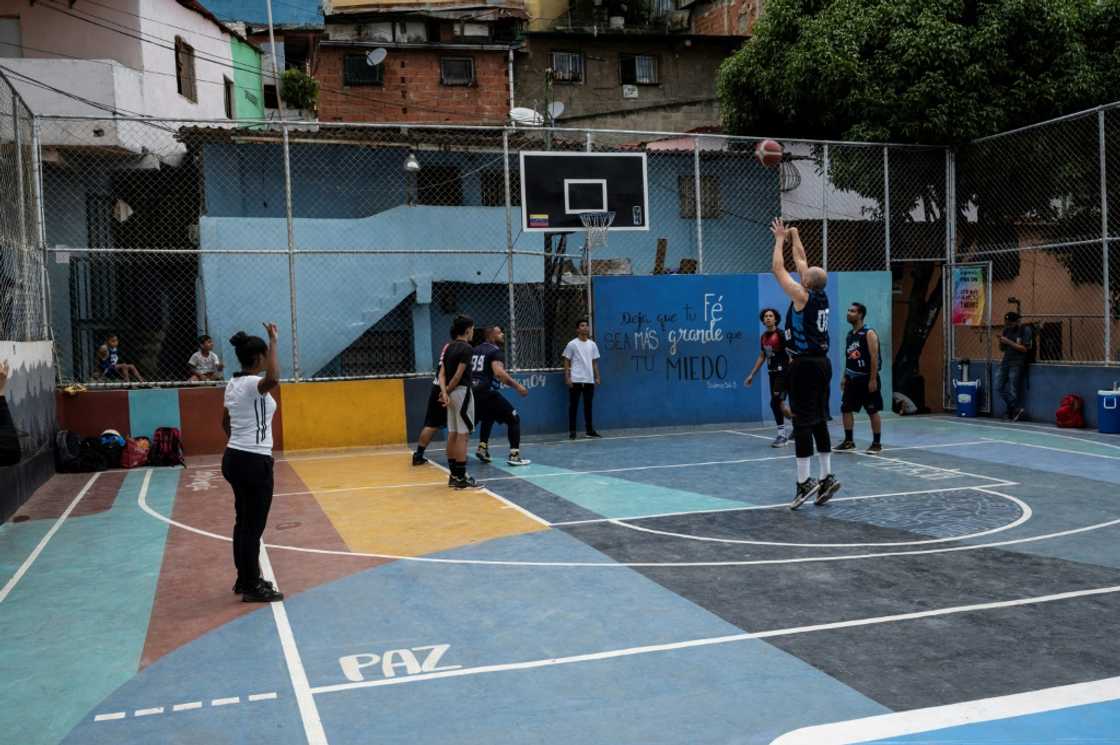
[
  {"x": 779, "y": 384},
  {"x": 436, "y": 415},
  {"x": 492, "y": 406},
  {"x": 857, "y": 396},
  {"x": 810, "y": 379}
]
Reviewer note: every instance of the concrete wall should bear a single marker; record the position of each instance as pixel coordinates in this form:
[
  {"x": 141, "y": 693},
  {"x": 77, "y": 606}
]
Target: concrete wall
[
  {"x": 412, "y": 91},
  {"x": 49, "y": 33},
  {"x": 30, "y": 397},
  {"x": 687, "y": 80}
]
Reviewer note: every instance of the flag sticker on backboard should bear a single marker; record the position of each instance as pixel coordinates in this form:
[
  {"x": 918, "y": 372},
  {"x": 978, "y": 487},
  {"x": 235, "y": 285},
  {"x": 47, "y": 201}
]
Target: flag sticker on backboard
[{"x": 538, "y": 221}]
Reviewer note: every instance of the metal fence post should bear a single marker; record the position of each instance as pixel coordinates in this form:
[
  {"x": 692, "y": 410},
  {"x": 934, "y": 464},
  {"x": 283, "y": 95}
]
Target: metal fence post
[
  {"x": 21, "y": 198},
  {"x": 40, "y": 219},
  {"x": 509, "y": 255},
  {"x": 824, "y": 213},
  {"x": 887, "y": 204},
  {"x": 291, "y": 250},
  {"x": 1104, "y": 240},
  {"x": 699, "y": 204}
]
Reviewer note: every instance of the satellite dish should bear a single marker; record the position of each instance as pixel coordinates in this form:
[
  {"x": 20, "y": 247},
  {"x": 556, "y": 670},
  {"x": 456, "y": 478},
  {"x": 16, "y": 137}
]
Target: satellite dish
[
  {"x": 375, "y": 57},
  {"x": 555, "y": 109},
  {"x": 526, "y": 116}
]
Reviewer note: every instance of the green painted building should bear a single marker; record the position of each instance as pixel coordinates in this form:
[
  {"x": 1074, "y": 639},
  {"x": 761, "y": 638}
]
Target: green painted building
[{"x": 248, "y": 86}]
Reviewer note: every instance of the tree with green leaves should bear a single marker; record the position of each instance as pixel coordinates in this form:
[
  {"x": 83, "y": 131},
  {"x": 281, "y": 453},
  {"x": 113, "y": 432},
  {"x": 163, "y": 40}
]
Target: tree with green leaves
[{"x": 940, "y": 73}]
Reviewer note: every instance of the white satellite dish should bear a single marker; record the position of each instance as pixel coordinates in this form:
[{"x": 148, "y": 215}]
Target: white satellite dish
[
  {"x": 375, "y": 57},
  {"x": 526, "y": 116},
  {"x": 555, "y": 109}
]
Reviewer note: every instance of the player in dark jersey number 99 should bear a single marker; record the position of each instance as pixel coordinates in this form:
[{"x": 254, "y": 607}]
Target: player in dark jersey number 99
[
  {"x": 810, "y": 375},
  {"x": 488, "y": 372}
]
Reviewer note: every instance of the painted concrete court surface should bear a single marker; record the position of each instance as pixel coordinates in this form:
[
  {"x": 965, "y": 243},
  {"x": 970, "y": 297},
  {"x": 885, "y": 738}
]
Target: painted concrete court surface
[{"x": 650, "y": 587}]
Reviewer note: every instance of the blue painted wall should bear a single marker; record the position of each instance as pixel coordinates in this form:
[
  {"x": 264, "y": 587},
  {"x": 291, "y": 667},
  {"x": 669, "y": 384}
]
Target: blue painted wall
[
  {"x": 303, "y": 13},
  {"x": 1046, "y": 386},
  {"x": 148, "y": 410}
]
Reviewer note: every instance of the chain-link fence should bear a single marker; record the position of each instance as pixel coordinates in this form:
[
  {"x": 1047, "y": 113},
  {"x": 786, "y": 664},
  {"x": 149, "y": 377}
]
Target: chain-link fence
[
  {"x": 1036, "y": 203},
  {"x": 364, "y": 241},
  {"x": 23, "y": 289}
]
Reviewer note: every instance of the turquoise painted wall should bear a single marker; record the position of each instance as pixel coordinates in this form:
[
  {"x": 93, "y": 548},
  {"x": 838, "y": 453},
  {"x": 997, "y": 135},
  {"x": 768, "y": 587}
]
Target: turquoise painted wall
[{"x": 248, "y": 87}]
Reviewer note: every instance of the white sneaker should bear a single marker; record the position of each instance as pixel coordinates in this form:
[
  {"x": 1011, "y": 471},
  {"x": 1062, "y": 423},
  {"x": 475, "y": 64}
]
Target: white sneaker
[
  {"x": 779, "y": 441},
  {"x": 515, "y": 459}
]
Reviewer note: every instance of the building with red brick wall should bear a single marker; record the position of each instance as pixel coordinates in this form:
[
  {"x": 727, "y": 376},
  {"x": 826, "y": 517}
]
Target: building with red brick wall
[
  {"x": 720, "y": 18},
  {"x": 442, "y": 64}
]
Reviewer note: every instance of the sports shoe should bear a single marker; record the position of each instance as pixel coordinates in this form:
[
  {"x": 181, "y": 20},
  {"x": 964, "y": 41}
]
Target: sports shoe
[
  {"x": 515, "y": 459},
  {"x": 571, "y": 435},
  {"x": 593, "y": 433},
  {"x": 264, "y": 592},
  {"x": 826, "y": 489},
  {"x": 483, "y": 453},
  {"x": 779, "y": 441},
  {"x": 875, "y": 447},
  {"x": 418, "y": 459},
  {"x": 466, "y": 482},
  {"x": 451, "y": 480},
  {"x": 241, "y": 589},
  {"x": 845, "y": 445},
  {"x": 806, "y": 489}
]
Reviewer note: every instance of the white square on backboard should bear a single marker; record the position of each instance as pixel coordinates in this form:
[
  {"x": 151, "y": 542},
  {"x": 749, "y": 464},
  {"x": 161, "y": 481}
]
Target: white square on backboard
[{"x": 601, "y": 182}]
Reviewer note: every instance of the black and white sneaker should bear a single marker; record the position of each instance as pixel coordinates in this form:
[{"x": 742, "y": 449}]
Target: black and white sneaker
[
  {"x": 483, "y": 453},
  {"x": 241, "y": 589},
  {"x": 826, "y": 489},
  {"x": 466, "y": 482},
  {"x": 779, "y": 441},
  {"x": 418, "y": 459},
  {"x": 845, "y": 445},
  {"x": 515, "y": 459},
  {"x": 593, "y": 433},
  {"x": 807, "y": 489},
  {"x": 875, "y": 447},
  {"x": 451, "y": 480},
  {"x": 264, "y": 592}
]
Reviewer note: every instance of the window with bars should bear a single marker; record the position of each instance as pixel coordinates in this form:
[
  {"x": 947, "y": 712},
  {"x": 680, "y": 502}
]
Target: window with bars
[
  {"x": 184, "y": 70},
  {"x": 567, "y": 67},
  {"x": 271, "y": 99},
  {"x": 456, "y": 71},
  {"x": 638, "y": 69},
  {"x": 357, "y": 71},
  {"x": 709, "y": 196}
]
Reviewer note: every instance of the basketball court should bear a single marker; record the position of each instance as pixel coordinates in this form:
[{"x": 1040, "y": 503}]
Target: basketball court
[{"x": 649, "y": 587}]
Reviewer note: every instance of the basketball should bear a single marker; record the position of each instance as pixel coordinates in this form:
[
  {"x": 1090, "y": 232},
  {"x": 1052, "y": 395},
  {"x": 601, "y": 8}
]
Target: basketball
[{"x": 769, "y": 153}]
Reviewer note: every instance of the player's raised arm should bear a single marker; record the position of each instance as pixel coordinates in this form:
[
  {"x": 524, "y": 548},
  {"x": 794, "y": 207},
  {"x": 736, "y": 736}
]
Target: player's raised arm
[
  {"x": 799, "y": 258},
  {"x": 792, "y": 288}
]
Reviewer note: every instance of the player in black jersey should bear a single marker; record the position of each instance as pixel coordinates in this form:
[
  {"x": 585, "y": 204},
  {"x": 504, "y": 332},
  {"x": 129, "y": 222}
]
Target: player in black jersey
[
  {"x": 861, "y": 385},
  {"x": 488, "y": 372},
  {"x": 773, "y": 353},
  {"x": 810, "y": 374}
]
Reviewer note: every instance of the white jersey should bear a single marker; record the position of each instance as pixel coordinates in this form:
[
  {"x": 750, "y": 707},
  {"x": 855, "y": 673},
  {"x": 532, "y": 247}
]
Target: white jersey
[{"x": 250, "y": 415}]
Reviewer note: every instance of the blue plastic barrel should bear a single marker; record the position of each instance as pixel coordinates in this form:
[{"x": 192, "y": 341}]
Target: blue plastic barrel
[
  {"x": 968, "y": 397},
  {"x": 1108, "y": 412}
]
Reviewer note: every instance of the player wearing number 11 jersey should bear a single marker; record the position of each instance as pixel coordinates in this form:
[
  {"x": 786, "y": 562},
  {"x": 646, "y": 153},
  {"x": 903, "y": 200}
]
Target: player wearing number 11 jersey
[{"x": 810, "y": 375}]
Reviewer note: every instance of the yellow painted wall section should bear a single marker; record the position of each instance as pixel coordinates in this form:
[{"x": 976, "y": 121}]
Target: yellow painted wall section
[{"x": 343, "y": 414}]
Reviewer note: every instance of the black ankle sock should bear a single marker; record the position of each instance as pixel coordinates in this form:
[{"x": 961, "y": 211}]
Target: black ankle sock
[
  {"x": 462, "y": 469},
  {"x": 420, "y": 449},
  {"x": 876, "y": 436},
  {"x": 849, "y": 435}
]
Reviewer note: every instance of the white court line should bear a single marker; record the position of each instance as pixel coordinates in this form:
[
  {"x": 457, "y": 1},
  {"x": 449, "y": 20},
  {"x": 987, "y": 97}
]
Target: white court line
[
  {"x": 776, "y": 505},
  {"x": 1025, "y": 514},
  {"x": 148, "y": 712},
  {"x": 11, "y": 583},
  {"x": 262, "y": 696},
  {"x": 622, "y": 565},
  {"x": 190, "y": 706},
  {"x": 500, "y": 498},
  {"x": 1057, "y": 450},
  {"x": 226, "y": 701},
  {"x": 308, "y": 711},
  {"x": 711, "y": 641},
  {"x": 526, "y": 476},
  {"x": 110, "y": 717},
  {"x": 1013, "y": 427},
  {"x": 903, "y": 723}
]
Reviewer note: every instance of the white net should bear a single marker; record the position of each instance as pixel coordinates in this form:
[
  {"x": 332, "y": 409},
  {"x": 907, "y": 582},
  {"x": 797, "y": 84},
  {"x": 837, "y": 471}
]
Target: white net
[{"x": 598, "y": 224}]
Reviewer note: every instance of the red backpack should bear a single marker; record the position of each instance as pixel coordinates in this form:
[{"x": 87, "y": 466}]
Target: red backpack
[
  {"x": 167, "y": 448},
  {"x": 1071, "y": 412}
]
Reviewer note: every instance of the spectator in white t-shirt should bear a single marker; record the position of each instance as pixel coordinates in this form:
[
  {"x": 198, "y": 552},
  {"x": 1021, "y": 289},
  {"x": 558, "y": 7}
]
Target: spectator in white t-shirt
[
  {"x": 204, "y": 364},
  {"x": 247, "y": 463},
  {"x": 581, "y": 374}
]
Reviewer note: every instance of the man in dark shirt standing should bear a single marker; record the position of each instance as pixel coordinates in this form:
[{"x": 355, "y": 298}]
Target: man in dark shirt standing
[
  {"x": 861, "y": 386},
  {"x": 455, "y": 394},
  {"x": 488, "y": 372},
  {"x": 1015, "y": 341},
  {"x": 810, "y": 374}
]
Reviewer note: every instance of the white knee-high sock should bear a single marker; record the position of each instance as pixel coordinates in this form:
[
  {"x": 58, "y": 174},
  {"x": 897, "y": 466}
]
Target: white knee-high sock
[
  {"x": 826, "y": 463},
  {"x": 803, "y": 469}
]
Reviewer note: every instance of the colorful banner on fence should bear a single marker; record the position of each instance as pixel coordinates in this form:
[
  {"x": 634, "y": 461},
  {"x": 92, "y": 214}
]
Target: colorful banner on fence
[{"x": 969, "y": 295}]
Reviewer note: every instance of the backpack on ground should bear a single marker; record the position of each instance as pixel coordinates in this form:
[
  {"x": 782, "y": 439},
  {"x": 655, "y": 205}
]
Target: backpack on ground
[
  {"x": 167, "y": 448},
  {"x": 136, "y": 452},
  {"x": 112, "y": 447},
  {"x": 1071, "y": 412},
  {"x": 92, "y": 457},
  {"x": 67, "y": 451}
]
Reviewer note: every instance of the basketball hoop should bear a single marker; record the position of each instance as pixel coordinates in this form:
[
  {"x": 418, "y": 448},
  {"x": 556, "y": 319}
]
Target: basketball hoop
[{"x": 597, "y": 225}]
